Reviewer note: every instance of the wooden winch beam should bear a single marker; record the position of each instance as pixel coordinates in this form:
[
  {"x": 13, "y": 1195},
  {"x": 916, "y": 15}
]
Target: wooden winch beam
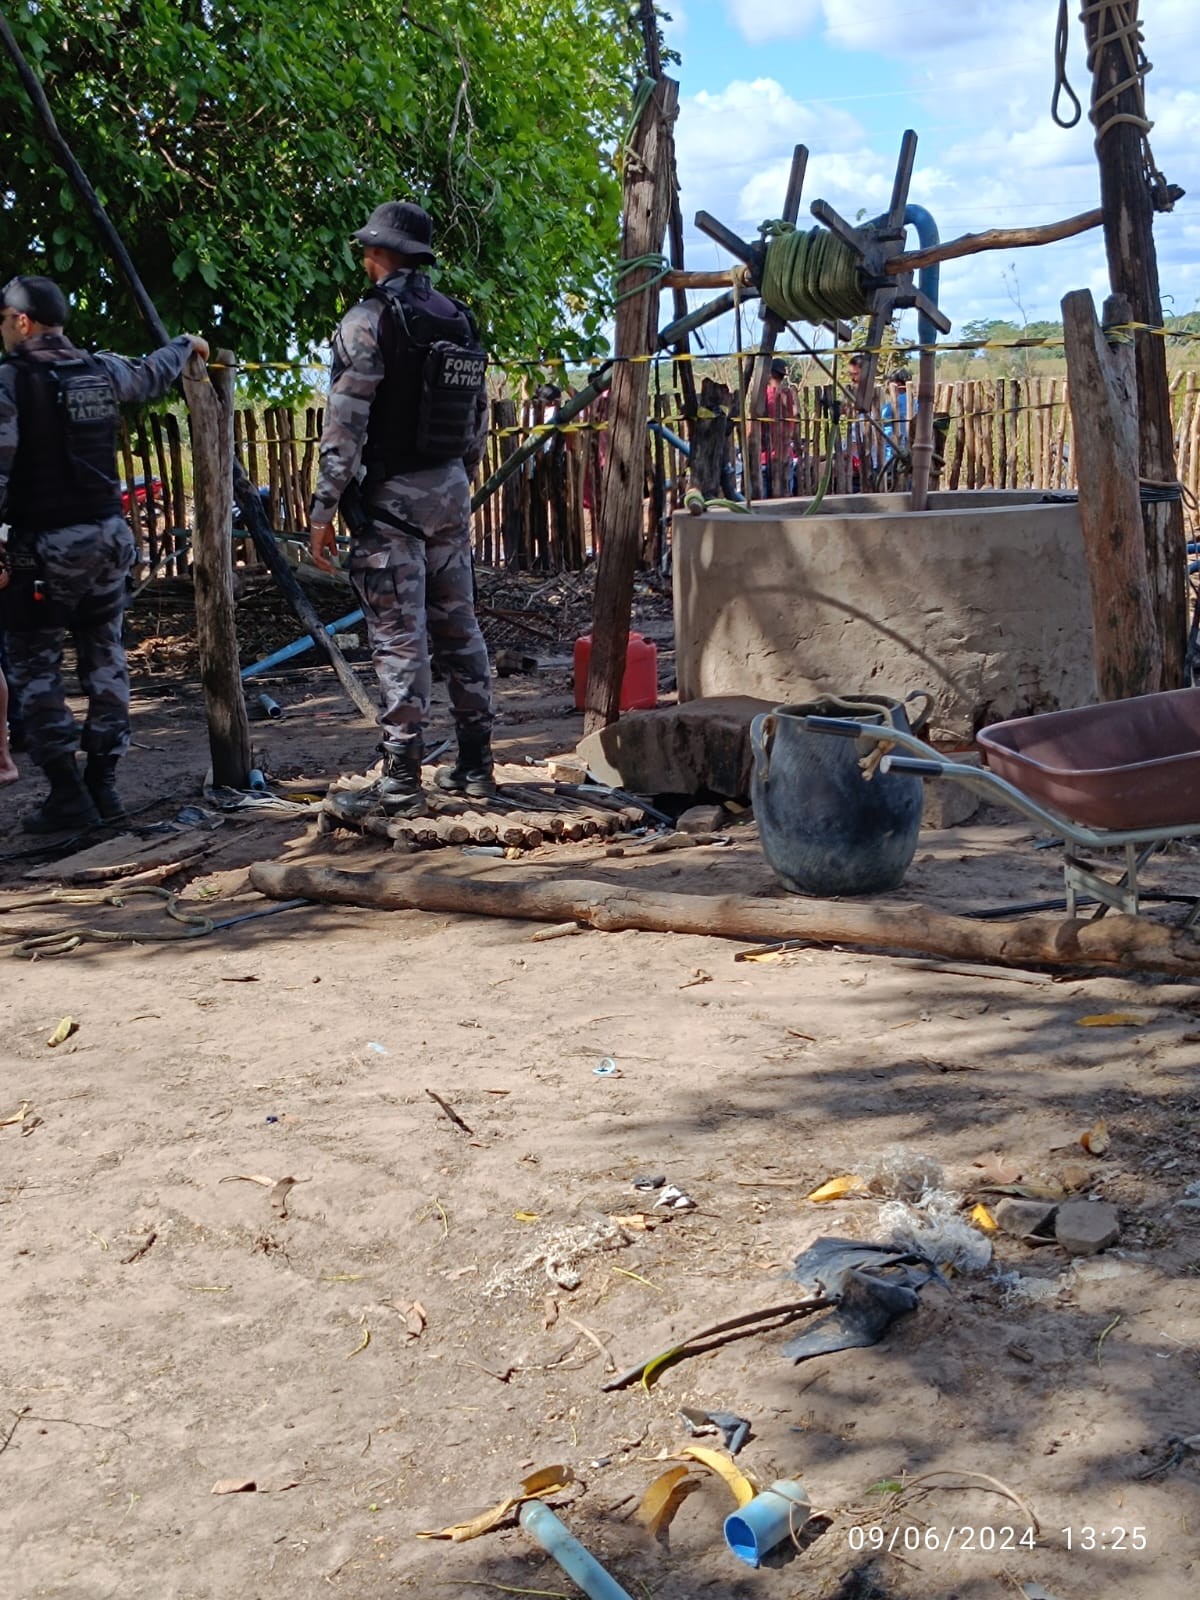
[{"x": 972, "y": 244}]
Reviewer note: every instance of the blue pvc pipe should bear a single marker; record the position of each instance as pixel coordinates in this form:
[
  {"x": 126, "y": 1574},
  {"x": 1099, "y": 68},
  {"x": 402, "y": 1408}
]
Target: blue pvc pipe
[
  {"x": 681, "y": 445},
  {"x": 929, "y": 277},
  {"x": 298, "y": 646},
  {"x": 580, "y": 1565}
]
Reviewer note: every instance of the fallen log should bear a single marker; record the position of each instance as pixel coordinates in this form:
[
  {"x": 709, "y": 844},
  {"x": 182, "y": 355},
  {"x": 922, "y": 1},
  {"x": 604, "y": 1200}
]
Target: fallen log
[{"x": 1122, "y": 943}]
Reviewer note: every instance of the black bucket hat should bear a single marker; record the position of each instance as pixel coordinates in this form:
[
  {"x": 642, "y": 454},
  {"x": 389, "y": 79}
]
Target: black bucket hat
[
  {"x": 39, "y": 299},
  {"x": 402, "y": 226}
]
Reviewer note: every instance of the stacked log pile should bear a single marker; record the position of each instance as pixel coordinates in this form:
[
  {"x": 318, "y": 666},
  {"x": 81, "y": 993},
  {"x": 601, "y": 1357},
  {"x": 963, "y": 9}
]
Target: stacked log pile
[{"x": 521, "y": 816}]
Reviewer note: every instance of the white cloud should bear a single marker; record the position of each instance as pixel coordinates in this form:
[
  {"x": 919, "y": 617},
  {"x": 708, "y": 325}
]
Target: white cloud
[{"x": 760, "y": 20}]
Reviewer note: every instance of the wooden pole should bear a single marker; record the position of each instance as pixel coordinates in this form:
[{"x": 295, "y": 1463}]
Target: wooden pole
[
  {"x": 1128, "y": 204},
  {"x": 210, "y": 405},
  {"x": 1102, "y": 389},
  {"x": 972, "y": 244},
  {"x": 1121, "y": 942},
  {"x": 648, "y": 170}
]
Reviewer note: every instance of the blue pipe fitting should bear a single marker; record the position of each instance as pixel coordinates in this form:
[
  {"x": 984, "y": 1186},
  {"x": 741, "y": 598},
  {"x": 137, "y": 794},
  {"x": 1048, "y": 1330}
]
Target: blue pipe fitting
[{"x": 767, "y": 1520}]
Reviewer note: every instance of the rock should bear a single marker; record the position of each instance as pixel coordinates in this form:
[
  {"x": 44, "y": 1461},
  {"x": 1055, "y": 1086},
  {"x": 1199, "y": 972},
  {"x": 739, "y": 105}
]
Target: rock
[
  {"x": 567, "y": 769},
  {"x": 1084, "y": 1227},
  {"x": 702, "y": 819},
  {"x": 702, "y": 744},
  {"x": 1025, "y": 1219},
  {"x": 948, "y": 803}
]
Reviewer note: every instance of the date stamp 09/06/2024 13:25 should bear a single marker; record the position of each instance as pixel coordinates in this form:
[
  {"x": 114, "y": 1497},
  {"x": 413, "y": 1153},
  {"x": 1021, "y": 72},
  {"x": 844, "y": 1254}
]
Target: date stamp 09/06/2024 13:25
[{"x": 985, "y": 1539}]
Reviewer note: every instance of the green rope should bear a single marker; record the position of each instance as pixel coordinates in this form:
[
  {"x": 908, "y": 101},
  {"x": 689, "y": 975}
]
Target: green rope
[
  {"x": 695, "y": 504},
  {"x": 641, "y": 99},
  {"x": 810, "y": 277},
  {"x": 658, "y": 266}
]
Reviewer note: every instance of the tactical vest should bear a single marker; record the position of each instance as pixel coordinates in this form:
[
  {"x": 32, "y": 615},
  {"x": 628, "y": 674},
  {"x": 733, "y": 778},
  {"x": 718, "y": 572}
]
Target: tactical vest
[
  {"x": 425, "y": 410},
  {"x": 66, "y": 465}
]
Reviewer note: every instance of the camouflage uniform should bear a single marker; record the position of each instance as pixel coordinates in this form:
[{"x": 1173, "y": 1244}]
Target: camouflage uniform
[
  {"x": 411, "y": 564},
  {"x": 85, "y": 568}
]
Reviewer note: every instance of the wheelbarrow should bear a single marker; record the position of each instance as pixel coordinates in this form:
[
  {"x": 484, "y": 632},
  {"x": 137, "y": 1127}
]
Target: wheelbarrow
[{"x": 1122, "y": 776}]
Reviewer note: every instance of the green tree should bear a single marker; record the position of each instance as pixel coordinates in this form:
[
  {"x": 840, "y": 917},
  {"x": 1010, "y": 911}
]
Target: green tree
[{"x": 237, "y": 146}]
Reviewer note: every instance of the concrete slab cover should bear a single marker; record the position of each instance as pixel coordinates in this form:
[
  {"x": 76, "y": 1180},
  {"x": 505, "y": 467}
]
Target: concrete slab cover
[
  {"x": 983, "y": 600},
  {"x": 678, "y": 749}
]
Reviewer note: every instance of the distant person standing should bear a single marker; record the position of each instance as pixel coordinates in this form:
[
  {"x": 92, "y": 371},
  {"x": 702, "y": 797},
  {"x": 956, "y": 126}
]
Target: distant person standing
[
  {"x": 894, "y": 416},
  {"x": 779, "y": 407},
  {"x": 70, "y": 550}
]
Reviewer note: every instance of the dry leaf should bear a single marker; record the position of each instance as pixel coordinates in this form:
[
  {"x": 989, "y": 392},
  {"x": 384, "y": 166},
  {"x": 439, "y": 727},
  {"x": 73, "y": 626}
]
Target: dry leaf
[
  {"x": 1096, "y": 1141},
  {"x": 527, "y": 1216},
  {"x": 279, "y": 1194},
  {"x": 839, "y": 1188},
  {"x": 995, "y": 1169},
  {"x": 536, "y": 1487},
  {"x": 663, "y": 1499},
  {"x": 768, "y": 957},
  {"x": 636, "y": 1222},
  {"x": 724, "y": 1466},
  {"x": 250, "y": 1177},
  {"x": 1112, "y": 1019},
  {"x": 698, "y": 976},
  {"x": 984, "y": 1220},
  {"x": 415, "y": 1320},
  {"x": 18, "y": 1116},
  {"x": 254, "y": 1486},
  {"x": 1029, "y": 1191},
  {"x": 63, "y": 1032}
]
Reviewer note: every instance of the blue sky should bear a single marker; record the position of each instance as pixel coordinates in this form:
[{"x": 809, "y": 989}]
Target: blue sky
[{"x": 974, "y": 79}]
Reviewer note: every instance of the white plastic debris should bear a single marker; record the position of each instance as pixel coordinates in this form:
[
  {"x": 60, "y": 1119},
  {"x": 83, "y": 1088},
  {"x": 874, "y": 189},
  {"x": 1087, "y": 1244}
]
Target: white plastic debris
[{"x": 934, "y": 1226}]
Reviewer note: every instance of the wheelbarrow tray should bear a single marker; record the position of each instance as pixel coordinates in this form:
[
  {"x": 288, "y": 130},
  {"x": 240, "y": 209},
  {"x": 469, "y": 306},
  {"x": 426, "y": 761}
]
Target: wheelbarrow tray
[{"x": 1127, "y": 765}]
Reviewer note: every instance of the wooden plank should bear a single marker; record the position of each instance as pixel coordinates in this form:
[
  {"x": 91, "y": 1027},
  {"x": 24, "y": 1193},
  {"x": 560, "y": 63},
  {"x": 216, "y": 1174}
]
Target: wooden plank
[
  {"x": 1104, "y": 406},
  {"x": 121, "y": 857},
  {"x": 1128, "y": 206},
  {"x": 649, "y": 171},
  {"x": 211, "y": 407}
]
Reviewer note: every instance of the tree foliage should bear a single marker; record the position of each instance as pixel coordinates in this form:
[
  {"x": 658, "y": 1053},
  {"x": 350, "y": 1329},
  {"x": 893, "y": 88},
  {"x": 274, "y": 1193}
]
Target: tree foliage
[{"x": 237, "y": 146}]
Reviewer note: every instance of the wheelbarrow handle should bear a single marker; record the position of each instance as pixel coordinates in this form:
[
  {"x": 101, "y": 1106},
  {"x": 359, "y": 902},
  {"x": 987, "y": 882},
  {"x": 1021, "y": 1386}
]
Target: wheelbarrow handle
[
  {"x": 837, "y": 725},
  {"x": 913, "y": 765}
]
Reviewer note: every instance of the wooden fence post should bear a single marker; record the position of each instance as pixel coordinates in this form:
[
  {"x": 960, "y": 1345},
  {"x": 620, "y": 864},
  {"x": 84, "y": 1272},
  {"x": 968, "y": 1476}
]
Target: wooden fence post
[
  {"x": 211, "y": 408},
  {"x": 648, "y": 175},
  {"x": 1102, "y": 385}
]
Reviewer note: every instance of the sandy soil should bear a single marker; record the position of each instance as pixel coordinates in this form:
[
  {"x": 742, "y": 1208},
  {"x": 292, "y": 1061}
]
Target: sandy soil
[{"x": 165, "y": 1330}]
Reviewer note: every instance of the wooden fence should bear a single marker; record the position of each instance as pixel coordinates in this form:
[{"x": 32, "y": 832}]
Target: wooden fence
[{"x": 996, "y": 433}]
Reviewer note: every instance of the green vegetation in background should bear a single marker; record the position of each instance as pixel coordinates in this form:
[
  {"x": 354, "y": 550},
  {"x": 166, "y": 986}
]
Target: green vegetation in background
[{"x": 236, "y": 147}]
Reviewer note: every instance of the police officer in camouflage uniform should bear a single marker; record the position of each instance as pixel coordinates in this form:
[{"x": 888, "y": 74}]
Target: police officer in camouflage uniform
[
  {"x": 69, "y": 550},
  {"x": 405, "y": 425}
]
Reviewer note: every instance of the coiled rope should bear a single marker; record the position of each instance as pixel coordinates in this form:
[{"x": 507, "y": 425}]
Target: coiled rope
[
  {"x": 812, "y": 276},
  {"x": 1116, "y": 22}
]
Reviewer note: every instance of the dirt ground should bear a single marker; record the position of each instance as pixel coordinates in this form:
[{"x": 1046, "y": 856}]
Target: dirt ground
[{"x": 165, "y": 1330}]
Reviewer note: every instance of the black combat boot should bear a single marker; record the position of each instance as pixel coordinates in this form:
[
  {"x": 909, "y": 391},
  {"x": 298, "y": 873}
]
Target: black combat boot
[
  {"x": 473, "y": 774},
  {"x": 68, "y": 808},
  {"x": 399, "y": 786},
  {"x": 100, "y": 780}
]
